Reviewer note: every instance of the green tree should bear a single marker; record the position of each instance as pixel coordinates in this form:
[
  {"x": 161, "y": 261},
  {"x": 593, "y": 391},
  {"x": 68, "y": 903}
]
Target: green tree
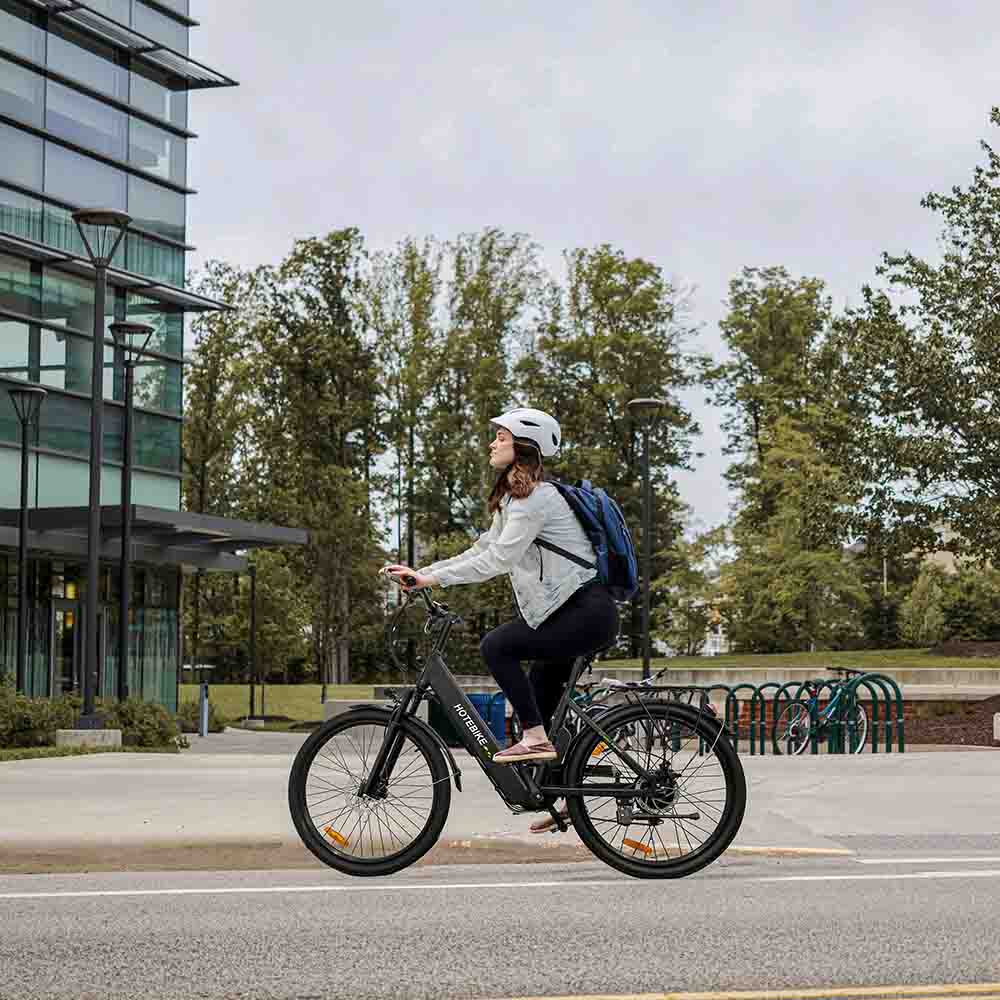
[
  {"x": 614, "y": 332},
  {"x": 921, "y": 614}
]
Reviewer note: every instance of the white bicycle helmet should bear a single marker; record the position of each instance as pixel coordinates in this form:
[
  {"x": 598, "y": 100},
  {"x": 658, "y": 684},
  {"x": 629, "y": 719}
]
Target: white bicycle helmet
[{"x": 536, "y": 426}]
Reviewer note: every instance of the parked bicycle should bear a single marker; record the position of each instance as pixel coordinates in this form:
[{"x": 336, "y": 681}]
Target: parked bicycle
[
  {"x": 653, "y": 789},
  {"x": 801, "y": 718}
]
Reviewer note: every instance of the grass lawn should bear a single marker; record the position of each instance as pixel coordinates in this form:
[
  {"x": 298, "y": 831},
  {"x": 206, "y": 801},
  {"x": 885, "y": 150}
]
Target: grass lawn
[
  {"x": 885, "y": 660},
  {"x": 300, "y": 702},
  {"x": 34, "y": 753}
]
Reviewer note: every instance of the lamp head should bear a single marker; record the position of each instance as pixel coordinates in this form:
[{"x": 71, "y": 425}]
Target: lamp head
[
  {"x": 27, "y": 402},
  {"x": 101, "y": 230},
  {"x": 645, "y": 410},
  {"x": 132, "y": 338}
]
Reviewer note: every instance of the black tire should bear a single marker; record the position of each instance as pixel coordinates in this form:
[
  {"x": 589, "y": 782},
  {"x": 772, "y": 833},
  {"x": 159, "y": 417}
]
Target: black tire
[
  {"x": 420, "y": 829},
  {"x": 860, "y": 728},
  {"x": 792, "y": 732},
  {"x": 659, "y": 735}
]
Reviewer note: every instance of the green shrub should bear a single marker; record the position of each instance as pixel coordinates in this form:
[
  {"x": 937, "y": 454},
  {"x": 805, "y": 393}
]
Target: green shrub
[
  {"x": 32, "y": 722},
  {"x": 142, "y": 723},
  {"x": 188, "y": 718},
  {"x": 971, "y": 605}
]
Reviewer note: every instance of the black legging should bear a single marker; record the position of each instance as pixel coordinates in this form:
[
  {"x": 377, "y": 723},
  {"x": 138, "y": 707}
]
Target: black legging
[{"x": 586, "y": 622}]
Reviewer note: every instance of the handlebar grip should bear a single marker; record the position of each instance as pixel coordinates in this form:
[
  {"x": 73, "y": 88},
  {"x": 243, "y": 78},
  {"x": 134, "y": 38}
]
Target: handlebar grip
[{"x": 410, "y": 581}]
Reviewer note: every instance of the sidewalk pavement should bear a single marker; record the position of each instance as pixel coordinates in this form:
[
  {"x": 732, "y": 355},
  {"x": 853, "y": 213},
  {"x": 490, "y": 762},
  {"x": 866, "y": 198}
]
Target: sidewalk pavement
[{"x": 229, "y": 792}]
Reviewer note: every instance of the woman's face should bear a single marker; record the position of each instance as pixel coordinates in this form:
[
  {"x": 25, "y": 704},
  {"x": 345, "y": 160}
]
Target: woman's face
[{"x": 502, "y": 449}]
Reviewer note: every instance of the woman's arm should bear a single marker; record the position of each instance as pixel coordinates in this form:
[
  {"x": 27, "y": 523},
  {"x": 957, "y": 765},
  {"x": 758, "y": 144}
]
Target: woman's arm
[
  {"x": 479, "y": 545},
  {"x": 503, "y": 552}
]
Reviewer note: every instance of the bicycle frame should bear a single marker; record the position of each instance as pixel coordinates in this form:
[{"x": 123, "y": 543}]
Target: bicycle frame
[{"x": 516, "y": 783}]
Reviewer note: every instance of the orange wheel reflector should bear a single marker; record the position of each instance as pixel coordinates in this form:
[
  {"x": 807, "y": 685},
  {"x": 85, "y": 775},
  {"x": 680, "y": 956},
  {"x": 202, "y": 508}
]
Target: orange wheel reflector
[
  {"x": 337, "y": 838},
  {"x": 598, "y": 750},
  {"x": 636, "y": 846}
]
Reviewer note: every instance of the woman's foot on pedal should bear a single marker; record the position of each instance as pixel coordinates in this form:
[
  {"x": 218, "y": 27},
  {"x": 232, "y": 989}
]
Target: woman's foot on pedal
[
  {"x": 525, "y": 751},
  {"x": 548, "y": 823}
]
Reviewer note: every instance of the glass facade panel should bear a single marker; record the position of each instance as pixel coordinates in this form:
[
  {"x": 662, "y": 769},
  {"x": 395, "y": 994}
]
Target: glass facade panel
[
  {"x": 21, "y": 161},
  {"x": 157, "y": 442},
  {"x": 13, "y": 349},
  {"x": 85, "y": 121},
  {"x": 20, "y": 33},
  {"x": 160, "y": 27},
  {"x": 152, "y": 95},
  {"x": 64, "y": 363},
  {"x": 158, "y": 385},
  {"x": 20, "y": 285},
  {"x": 156, "y": 260},
  {"x": 157, "y": 151},
  {"x": 67, "y": 299},
  {"x": 65, "y": 424},
  {"x": 22, "y": 93},
  {"x": 81, "y": 180},
  {"x": 20, "y": 215},
  {"x": 156, "y": 208},
  {"x": 87, "y": 61},
  {"x": 117, "y": 10},
  {"x": 169, "y": 335}
]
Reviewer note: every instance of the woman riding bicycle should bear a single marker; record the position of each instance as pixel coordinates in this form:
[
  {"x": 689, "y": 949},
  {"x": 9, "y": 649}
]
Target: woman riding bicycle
[{"x": 564, "y": 611}]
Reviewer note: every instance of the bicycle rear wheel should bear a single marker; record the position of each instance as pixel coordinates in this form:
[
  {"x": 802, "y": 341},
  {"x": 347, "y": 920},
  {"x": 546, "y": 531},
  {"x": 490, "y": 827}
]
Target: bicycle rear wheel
[
  {"x": 681, "y": 818},
  {"x": 375, "y": 834},
  {"x": 792, "y": 729}
]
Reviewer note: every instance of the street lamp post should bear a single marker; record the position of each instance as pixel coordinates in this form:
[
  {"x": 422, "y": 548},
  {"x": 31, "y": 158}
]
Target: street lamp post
[
  {"x": 132, "y": 339},
  {"x": 644, "y": 412},
  {"x": 27, "y": 402},
  {"x": 102, "y": 231}
]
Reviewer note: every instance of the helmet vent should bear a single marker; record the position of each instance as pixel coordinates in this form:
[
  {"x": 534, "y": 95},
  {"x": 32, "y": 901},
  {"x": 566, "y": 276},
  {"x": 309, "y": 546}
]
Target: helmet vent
[{"x": 530, "y": 423}]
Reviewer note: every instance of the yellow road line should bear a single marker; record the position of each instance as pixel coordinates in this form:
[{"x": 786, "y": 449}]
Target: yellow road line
[{"x": 981, "y": 991}]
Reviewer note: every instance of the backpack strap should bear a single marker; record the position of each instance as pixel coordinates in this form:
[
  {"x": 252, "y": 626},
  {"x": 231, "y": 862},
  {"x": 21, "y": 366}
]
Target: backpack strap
[{"x": 579, "y": 560}]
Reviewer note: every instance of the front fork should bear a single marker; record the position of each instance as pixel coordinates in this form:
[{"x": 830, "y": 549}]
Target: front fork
[{"x": 377, "y": 782}]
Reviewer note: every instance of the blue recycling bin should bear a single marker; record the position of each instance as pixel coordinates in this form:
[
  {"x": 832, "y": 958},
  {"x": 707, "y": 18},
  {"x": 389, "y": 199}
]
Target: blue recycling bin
[{"x": 493, "y": 710}]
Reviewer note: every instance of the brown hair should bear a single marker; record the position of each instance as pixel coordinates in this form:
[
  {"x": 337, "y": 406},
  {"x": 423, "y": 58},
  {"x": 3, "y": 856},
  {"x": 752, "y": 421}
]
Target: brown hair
[{"x": 520, "y": 477}]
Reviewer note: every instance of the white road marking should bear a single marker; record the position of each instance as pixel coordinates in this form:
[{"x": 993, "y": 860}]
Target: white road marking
[
  {"x": 250, "y": 890},
  {"x": 926, "y": 861},
  {"x": 886, "y": 877}
]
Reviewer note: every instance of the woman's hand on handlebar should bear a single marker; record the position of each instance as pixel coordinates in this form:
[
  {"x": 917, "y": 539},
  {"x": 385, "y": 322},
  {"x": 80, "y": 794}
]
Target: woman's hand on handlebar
[{"x": 408, "y": 579}]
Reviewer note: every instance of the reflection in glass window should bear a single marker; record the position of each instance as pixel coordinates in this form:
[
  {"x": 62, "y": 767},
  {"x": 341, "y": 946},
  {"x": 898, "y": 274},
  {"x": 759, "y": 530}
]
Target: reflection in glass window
[
  {"x": 151, "y": 93},
  {"x": 20, "y": 215},
  {"x": 81, "y": 180},
  {"x": 65, "y": 363},
  {"x": 20, "y": 285},
  {"x": 19, "y": 31},
  {"x": 22, "y": 93},
  {"x": 158, "y": 385},
  {"x": 67, "y": 299},
  {"x": 22, "y": 157},
  {"x": 156, "y": 208},
  {"x": 85, "y": 121},
  {"x": 169, "y": 335},
  {"x": 65, "y": 424},
  {"x": 160, "y": 27},
  {"x": 157, "y": 442},
  {"x": 60, "y": 231},
  {"x": 13, "y": 349},
  {"x": 86, "y": 60},
  {"x": 117, "y": 10},
  {"x": 157, "y": 151}
]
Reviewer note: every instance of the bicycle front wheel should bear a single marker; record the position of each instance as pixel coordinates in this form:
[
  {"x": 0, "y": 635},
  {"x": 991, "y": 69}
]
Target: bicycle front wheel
[
  {"x": 374, "y": 834},
  {"x": 679, "y": 817}
]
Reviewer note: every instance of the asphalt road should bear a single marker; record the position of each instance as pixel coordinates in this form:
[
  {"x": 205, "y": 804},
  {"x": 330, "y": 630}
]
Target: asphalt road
[{"x": 893, "y": 914}]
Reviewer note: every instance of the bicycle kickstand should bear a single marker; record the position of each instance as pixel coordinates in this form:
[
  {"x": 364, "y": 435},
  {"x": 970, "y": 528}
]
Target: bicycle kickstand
[{"x": 560, "y": 822}]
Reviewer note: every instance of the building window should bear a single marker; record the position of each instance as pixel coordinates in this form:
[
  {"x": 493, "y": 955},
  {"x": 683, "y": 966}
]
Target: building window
[
  {"x": 20, "y": 285},
  {"x": 157, "y": 151},
  {"x": 85, "y": 121},
  {"x": 156, "y": 208},
  {"x": 152, "y": 94},
  {"x": 81, "y": 180},
  {"x": 160, "y": 27},
  {"x": 117, "y": 10},
  {"x": 169, "y": 335},
  {"x": 20, "y": 31},
  {"x": 20, "y": 215},
  {"x": 158, "y": 385},
  {"x": 87, "y": 61},
  {"x": 22, "y": 93},
  {"x": 64, "y": 424},
  {"x": 22, "y": 157},
  {"x": 13, "y": 349},
  {"x": 156, "y": 260},
  {"x": 157, "y": 442}
]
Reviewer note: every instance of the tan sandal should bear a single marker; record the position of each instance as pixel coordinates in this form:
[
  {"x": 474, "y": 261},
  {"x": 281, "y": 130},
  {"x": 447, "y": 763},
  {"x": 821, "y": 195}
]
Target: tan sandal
[
  {"x": 524, "y": 751},
  {"x": 548, "y": 822}
]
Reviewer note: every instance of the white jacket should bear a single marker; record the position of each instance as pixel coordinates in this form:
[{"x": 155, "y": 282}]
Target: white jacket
[{"x": 542, "y": 580}]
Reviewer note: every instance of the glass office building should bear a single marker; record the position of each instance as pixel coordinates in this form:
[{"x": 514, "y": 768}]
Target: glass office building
[{"x": 94, "y": 113}]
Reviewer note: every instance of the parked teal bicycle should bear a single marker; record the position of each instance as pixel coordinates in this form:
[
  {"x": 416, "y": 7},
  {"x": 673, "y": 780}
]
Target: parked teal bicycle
[{"x": 801, "y": 718}]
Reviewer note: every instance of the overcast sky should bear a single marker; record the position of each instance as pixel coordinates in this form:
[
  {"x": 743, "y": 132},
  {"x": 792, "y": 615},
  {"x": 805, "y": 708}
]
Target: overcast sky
[{"x": 702, "y": 136}]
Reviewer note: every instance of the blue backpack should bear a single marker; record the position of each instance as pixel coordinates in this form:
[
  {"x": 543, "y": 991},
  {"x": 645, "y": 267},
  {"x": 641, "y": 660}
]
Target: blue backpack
[{"x": 603, "y": 523}]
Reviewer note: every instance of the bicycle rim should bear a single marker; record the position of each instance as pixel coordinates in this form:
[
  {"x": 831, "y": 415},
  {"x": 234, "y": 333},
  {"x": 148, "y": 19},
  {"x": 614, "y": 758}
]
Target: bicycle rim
[
  {"x": 678, "y": 822},
  {"x": 367, "y": 829}
]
